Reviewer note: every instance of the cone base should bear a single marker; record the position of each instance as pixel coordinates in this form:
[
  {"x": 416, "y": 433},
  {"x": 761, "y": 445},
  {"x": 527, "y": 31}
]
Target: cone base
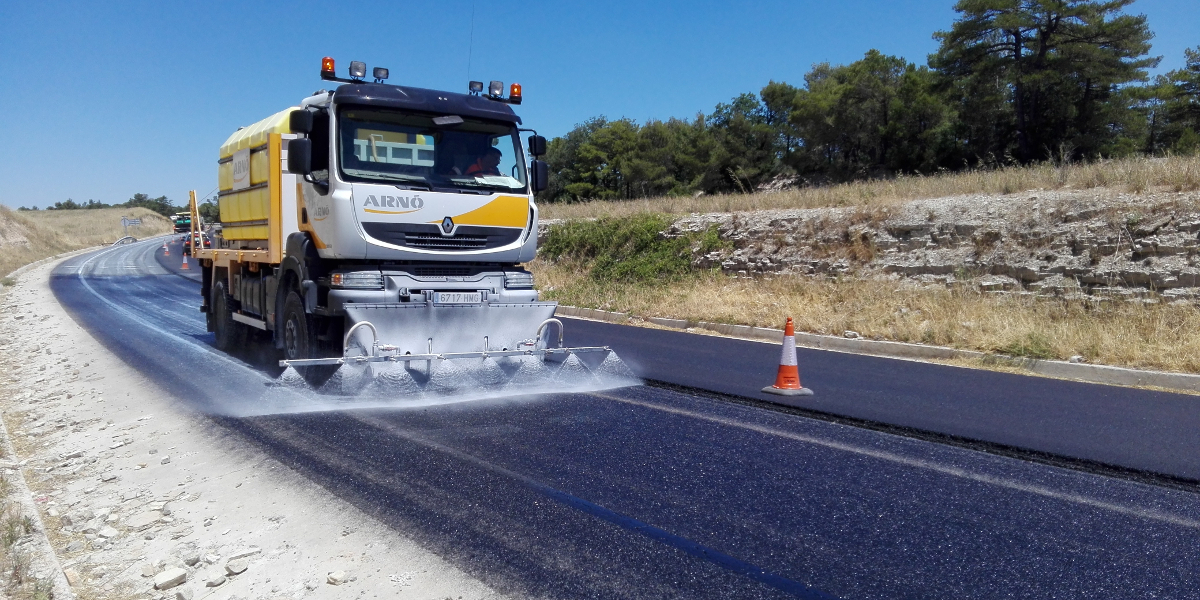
[{"x": 770, "y": 389}]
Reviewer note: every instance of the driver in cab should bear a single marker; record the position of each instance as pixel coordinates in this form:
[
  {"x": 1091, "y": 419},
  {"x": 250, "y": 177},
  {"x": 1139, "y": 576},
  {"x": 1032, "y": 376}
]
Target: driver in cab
[{"x": 486, "y": 165}]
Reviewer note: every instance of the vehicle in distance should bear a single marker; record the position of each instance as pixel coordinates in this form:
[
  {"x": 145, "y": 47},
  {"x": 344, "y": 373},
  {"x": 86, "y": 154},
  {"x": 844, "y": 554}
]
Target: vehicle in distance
[
  {"x": 197, "y": 239},
  {"x": 182, "y": 222}
]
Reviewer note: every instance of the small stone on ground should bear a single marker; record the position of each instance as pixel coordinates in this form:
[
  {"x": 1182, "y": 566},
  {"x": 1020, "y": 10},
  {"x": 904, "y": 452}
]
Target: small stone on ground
[
  {"x": 170, "y": 578},
  {"x": 235, "y": 567}
]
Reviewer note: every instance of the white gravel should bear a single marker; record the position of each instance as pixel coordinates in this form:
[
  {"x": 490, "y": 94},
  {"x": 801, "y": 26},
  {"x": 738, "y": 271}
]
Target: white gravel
[{"x": 87, "y": 428}]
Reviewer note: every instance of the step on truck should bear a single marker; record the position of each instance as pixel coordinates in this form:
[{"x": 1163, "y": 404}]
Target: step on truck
[{"x": 380, "y": 223}]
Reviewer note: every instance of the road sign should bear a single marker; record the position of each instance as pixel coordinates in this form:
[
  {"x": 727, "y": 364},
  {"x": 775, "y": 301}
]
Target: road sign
[{"x": 126, "y": 222}]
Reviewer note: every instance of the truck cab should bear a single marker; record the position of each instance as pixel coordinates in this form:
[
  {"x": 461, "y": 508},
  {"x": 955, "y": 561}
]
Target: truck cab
[{"x": 398, "y": 173}]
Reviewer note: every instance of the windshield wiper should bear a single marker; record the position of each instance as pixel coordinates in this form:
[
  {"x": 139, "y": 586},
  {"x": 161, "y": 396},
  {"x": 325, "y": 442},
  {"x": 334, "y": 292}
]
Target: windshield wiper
[
  {"x": 417, "y": 181},
  {"x": 477, "y": 184}
]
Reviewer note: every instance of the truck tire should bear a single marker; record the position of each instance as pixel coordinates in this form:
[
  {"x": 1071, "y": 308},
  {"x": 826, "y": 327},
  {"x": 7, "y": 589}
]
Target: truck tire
[
  {"x": 229, "y": 334},
  {"x": 300, "y": 341}
]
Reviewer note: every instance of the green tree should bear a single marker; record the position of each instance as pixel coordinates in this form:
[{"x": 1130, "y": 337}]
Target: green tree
[
  {"x": 68, "y": 205},
  {"x": 745, "y": 150},
  {"x": 778, "y": 99},
  {"x": 562, "y": 156},
  {"x": 877, "y": 115},
  {"x": 1046, "y": 69},
  {"x": 160, "y": 205},
  {"x": 209, "y": 211},
  {"x": 1182, "y": 105},
  {"x": 918, "y": 135},
  {"x": 73, "y": 205}
]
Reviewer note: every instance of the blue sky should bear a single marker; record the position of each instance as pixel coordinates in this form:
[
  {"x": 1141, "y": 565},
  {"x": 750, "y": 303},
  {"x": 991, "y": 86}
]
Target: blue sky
[{"x": 108, "y": 99}]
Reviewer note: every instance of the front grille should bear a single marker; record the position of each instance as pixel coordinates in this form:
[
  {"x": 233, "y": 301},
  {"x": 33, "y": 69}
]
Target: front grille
[
  {"x": 442, "y": 271},
  {"x": 437, "y": 242},
  {"x": 429, "y": 237}
]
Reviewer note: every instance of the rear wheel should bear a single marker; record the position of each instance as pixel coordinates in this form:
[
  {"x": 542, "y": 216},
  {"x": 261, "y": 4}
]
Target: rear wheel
[
  {"x": 300, "y": 341},
  {"x": 229, "y": 333}
]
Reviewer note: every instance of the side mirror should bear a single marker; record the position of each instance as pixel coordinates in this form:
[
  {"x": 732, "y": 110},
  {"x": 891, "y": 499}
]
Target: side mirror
[
  {"x": 301, "y": 121},
  {"x": 537, "y": 145},
  {"x": 299, "y": 156},
  {"x": 539, "y": 175}
]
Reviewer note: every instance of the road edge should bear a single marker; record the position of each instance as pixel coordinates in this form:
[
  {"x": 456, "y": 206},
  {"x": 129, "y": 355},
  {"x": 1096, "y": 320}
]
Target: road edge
[
  {"x": 60, "y": 587},
  {"x": 1099, "y": 374}
]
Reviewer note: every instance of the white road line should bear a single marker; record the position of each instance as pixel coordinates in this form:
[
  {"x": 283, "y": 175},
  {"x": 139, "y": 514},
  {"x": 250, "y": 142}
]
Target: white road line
[
  {"x": 924, "y": 464},
  {"x": 136, "y": 318}
]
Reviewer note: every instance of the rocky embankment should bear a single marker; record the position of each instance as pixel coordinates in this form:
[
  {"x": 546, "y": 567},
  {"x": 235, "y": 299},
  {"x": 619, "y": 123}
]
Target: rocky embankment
[{"x": 1095, "y": 243}]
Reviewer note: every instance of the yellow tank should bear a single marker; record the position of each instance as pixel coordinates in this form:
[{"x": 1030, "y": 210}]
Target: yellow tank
[{"x": 244, "y": 212}]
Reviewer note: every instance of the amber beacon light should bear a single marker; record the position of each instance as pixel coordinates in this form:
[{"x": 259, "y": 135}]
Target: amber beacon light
[
  {"x": 514, "y": 93},
  {"x": 327, "y": 66}
]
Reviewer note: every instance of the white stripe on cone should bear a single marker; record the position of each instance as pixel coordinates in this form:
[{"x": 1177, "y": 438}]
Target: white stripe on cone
[{"x": 789, "y": 351}]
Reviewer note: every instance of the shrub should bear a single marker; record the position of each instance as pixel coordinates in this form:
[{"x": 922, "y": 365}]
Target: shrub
[{"x": 630, "y": 248}]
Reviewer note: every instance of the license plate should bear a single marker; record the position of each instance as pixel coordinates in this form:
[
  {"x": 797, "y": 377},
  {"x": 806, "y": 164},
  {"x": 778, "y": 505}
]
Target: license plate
[{"x": 457, "y": 297}]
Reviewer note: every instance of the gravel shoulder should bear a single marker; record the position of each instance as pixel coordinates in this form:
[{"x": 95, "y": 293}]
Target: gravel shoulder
[{"x": 141, "y": 498}]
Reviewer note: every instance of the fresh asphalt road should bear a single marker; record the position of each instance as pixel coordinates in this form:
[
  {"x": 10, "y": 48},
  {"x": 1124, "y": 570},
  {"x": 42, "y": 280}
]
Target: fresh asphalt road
[
  {"x": 1153, "y": 434},
  {"x": 647, "y": 492}
]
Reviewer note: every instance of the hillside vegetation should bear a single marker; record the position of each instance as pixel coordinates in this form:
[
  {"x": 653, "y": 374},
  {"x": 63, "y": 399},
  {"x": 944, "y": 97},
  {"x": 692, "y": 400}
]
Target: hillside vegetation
[
  {"x": 27, "y": 236},
  {"x": 1101, "y": 263},
  {"x": 1107, "y": 178}
]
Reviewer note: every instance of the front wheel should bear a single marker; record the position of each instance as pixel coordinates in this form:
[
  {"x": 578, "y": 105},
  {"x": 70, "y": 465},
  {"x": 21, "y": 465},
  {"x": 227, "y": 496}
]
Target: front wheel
[{"x": 300, "y": 341}]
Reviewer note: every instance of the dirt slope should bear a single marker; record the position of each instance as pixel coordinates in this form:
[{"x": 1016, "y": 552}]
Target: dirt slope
[{"x": 27, "y": 236}]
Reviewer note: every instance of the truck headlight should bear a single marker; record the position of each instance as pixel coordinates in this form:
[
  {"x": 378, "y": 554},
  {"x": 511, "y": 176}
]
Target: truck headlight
[
  {"x": 518, "y": 280},
  {"x": 357, "y": 280}
]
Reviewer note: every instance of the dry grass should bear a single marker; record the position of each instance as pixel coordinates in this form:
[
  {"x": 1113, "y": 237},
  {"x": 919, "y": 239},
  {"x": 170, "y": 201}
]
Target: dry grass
[
  {"x": 1157, "y": 337},
  {"x": 1136, "y": 175},
  {"x": 16, "y": 560},
  {"x": 29, "y": 236}
]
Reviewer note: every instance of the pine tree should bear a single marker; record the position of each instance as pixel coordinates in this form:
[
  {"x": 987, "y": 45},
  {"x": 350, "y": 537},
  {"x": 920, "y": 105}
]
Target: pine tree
[{"x": 1047, "y": 70}]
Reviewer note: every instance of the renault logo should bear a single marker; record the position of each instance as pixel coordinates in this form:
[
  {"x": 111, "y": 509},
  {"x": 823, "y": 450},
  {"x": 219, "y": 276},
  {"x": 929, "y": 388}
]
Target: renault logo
[{"x": 447, "y": 225}]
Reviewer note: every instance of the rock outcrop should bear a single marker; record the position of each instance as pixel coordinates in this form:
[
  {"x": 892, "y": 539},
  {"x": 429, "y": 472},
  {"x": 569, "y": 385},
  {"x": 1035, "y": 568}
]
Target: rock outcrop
[{"x": 1091, "y": 242}]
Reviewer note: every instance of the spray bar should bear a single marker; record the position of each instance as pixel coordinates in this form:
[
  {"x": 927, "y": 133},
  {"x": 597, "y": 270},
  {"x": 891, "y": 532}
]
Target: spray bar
[
  {"x": 405, "y": 358},
  {"x": 376, "y": 348}
]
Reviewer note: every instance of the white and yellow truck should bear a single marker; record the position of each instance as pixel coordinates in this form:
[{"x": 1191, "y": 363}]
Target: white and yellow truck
[{"x": 381, "y": 223}]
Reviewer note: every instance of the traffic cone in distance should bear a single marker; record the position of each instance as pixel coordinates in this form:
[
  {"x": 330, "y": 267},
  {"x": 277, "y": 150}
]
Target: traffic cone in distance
[
  {"x": 787, "y": 382},
  {"x": 185, "y": 266},
  {"x": 166, "y": 250}
]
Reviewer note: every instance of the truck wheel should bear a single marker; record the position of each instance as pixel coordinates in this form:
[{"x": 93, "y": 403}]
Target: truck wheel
[
  {"x": 300, "y": 341},
  {"x": 229, "y": 333}
]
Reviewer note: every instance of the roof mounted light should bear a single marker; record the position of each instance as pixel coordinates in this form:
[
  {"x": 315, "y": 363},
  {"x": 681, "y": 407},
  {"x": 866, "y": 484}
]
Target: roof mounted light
[
  {"x": 358, "y": 69},
  {"x": 496, "y": 89},
  {"x": 379, "y": 73},
  {"x": 514, "y": 93},
  {"x": 475, "y": 87},
  {"x": 327, "y": 71}
]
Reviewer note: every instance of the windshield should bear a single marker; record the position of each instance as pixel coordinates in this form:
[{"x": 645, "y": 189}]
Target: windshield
[{"x": 385, "y": 146}]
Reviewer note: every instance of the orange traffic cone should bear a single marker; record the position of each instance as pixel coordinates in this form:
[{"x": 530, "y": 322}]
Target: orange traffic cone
[
  {"x": 787, "y": 382},
  {"x": 166, "y": 250},
  {"x": 185, "y": 267}
]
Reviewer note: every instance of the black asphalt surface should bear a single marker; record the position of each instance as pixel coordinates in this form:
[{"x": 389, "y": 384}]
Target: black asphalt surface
[
  {"x": 646, "y": 492},
  {"x": 1155, "y": 432}
]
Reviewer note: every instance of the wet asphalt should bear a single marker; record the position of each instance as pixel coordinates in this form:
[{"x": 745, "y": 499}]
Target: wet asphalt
[{"x": 651, "y": 492}]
